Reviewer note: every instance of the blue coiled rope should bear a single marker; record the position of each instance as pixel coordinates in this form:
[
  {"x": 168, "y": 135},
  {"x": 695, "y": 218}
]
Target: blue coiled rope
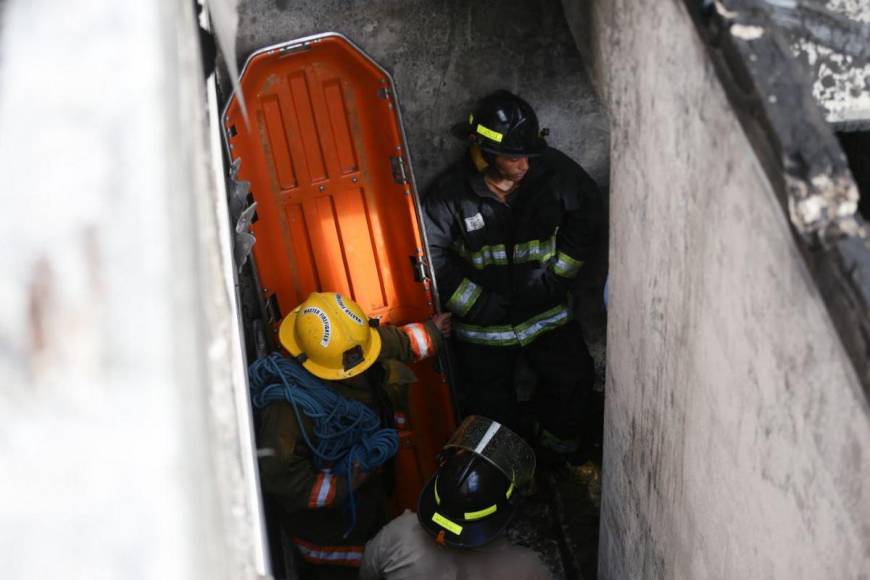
[{"x": 347, "y": 432}]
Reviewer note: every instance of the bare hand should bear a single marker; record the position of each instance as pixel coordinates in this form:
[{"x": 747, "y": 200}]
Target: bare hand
[{"x": 444, "y": 323}]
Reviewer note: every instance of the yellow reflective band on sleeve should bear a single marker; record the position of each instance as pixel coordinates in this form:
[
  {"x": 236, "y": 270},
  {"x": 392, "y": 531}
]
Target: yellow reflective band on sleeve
[
  {"x": 464, "y": 297},
  {"x": 510, "y": 491},
  {"x": 480, "y": 513},
  {"x": 489, "y": 133},
  {"x": 566, "y": 266},
  {"x": 446, "y": 524}
]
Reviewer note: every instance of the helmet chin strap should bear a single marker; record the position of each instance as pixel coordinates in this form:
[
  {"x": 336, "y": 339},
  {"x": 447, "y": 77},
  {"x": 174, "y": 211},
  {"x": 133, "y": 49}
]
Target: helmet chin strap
[{"x": 477, "y": 158}]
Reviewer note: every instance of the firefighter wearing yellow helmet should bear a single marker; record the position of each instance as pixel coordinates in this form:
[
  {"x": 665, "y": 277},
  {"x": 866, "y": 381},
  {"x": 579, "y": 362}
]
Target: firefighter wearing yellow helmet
[{"x": 331, "y": 337}]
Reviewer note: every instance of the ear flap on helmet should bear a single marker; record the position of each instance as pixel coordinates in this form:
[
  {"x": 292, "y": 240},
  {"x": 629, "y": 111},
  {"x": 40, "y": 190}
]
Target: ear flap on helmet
[{"x": 478, "y": 158}]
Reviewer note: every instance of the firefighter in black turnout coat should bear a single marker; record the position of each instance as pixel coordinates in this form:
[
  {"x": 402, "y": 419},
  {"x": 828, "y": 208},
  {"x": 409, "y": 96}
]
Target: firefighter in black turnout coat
[{"x": 509, "y": 228}]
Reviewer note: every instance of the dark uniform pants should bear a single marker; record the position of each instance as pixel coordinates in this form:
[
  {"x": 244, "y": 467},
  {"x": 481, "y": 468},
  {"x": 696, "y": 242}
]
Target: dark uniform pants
[{"x": 564, "y": 402}]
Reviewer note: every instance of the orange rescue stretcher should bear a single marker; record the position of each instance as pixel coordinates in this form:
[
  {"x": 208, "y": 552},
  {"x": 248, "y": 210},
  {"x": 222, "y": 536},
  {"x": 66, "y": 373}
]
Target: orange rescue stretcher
[{"x": 324, "y": 151}]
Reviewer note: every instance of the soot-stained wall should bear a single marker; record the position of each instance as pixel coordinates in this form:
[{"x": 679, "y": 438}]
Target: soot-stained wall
[
  {"x": 444, "y": 55},
  {"x": 737, "y": 435}
]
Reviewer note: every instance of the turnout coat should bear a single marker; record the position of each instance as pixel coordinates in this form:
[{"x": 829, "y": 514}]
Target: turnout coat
[
  {"x": 504, "y": 268},
  {"x": 312, "y": 501}
]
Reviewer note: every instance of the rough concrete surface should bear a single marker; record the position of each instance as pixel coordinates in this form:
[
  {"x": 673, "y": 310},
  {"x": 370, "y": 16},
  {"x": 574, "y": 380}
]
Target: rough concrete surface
[
  {"x": 737, "y": 437},
  {"x": 121, "y": 450},
  {"x": 444, "y": 55}
]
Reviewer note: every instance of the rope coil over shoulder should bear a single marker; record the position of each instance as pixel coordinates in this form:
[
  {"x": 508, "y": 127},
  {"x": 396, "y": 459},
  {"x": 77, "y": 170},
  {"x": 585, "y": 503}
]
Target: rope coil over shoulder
[{"x": 346, "y": 432}]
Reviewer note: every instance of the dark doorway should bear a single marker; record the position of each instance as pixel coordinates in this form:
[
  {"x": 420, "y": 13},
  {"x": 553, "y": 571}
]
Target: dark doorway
[{"x": 856, "y": 145}]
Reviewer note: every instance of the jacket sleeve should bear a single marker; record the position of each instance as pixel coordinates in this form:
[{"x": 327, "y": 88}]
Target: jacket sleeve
[
  {"x": 411, "y": 342},
  {"x": 288, "y": 477},
  {"x": 579, "y": 231},
  {"x": 458, "y": 293},
  {"x": 575, "y": 240}
]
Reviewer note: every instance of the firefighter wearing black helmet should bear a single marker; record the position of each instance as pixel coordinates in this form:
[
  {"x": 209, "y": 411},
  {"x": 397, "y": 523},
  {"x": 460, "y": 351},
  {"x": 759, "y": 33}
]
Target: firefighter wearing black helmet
[
  {"x": 462, "y": 513},
  {"x": 509, "y": 229}
]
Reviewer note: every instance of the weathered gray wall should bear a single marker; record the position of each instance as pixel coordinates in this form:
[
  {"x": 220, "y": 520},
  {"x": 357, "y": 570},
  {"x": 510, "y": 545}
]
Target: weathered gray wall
[
  {"x": 737, "y": 437},
  {"x": 125, "y": 439},
  {"x": 444, "y": 55}
]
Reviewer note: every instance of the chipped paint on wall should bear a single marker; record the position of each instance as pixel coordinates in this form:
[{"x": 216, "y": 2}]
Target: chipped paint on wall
[
  {"x": 832, "y": 200},
  {"x": 855, "y": 9},
  {"x": 841, "y": 85}
]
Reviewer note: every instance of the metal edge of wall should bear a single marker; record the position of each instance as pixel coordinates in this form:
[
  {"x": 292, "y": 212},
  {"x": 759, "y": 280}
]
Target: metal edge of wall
[{"x": 801, "y": 156}]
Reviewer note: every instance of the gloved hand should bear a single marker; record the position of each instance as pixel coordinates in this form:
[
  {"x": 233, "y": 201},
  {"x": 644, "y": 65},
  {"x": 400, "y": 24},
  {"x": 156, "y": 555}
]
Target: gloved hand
[
  {"x": 490, "y": 309},
  {"x": 539, "y": 287},
  {"x": 443, "y": 323}
]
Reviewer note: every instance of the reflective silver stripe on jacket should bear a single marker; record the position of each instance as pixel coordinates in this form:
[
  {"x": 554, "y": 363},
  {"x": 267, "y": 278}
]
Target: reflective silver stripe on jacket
[
  {"x": 486, "y": 256},
  {"x": 532, "y": 251},
  {"x": 531, "y": 329},
  {"x": 535, "y": 251},
  {"x": 520, "y": 334},
  {"x": 491, "y": 335}
]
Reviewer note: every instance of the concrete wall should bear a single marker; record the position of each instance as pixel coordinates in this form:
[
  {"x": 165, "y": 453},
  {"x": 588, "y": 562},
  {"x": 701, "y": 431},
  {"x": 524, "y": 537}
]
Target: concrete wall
[
  {"x": 444, "y": 55},
  {"x": 737, "y": 437},
  {"x": 125, "y": 450}
]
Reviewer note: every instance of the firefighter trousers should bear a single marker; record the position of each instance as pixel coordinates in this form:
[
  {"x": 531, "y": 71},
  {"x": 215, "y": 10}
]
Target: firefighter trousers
[{"x": 564, "y": 402}]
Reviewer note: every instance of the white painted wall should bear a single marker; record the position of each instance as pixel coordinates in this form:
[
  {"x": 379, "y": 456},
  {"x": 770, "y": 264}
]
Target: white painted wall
[
  {"x": 125, "y": 447},
  {"x": 737, "y": 436}
]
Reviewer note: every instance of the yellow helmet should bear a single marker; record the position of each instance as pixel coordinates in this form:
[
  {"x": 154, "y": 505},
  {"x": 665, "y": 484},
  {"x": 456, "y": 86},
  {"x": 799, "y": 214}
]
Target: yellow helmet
[{"x": 332, "y": 335}]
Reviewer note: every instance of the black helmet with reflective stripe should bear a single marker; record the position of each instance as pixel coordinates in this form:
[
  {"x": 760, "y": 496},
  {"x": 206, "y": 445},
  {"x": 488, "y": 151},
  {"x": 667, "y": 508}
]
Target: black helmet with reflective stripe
[
  {"x": 504, "y": 124},
  {"x": 468, "y": 502}
]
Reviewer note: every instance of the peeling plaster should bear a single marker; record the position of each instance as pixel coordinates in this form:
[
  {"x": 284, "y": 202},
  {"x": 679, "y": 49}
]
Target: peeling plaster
[
  {"x": 855, "y": 9},
  {"x": 830, "y": 200},
  {"x": 841, "y": 87},
  {"x": 841, "y": 82}
]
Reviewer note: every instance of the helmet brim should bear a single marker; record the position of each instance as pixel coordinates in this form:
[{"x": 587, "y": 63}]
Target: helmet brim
[
  {"x": 287, "y": 337},
  {"x": 474, "y": 534},
  {"x": 534, "y": 150}
]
